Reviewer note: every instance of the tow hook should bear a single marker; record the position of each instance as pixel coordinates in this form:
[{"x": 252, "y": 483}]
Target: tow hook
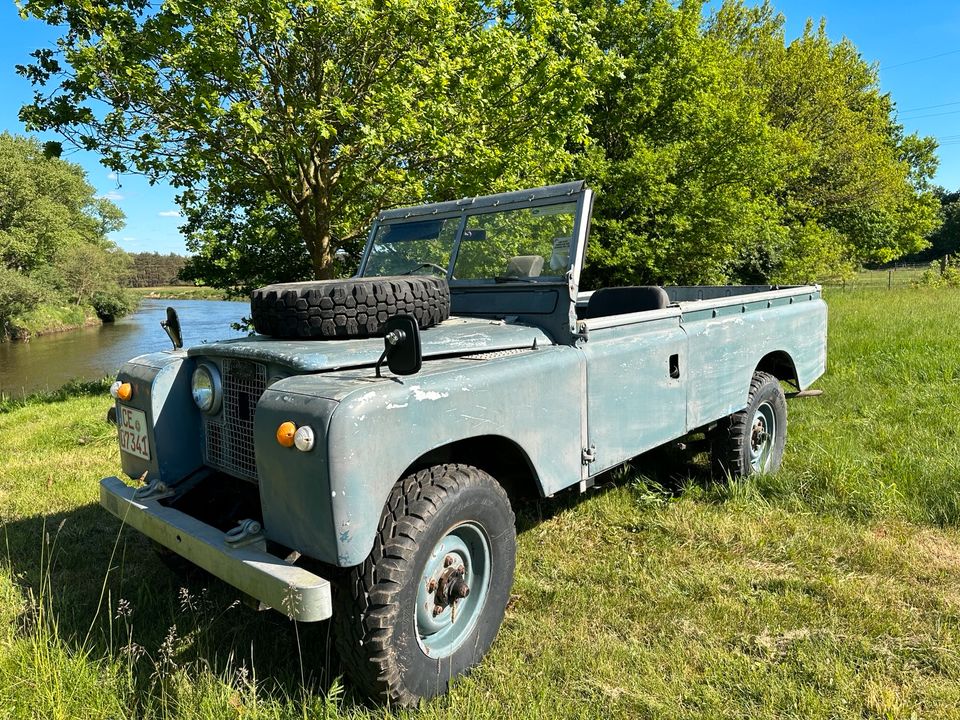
[
  {"x": 156, "y": 489},
  {"x": 247, "y": 532}
]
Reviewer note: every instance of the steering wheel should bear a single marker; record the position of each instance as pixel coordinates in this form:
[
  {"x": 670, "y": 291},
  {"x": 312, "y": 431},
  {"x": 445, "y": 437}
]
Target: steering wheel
[{"x": 420, "y": 266}]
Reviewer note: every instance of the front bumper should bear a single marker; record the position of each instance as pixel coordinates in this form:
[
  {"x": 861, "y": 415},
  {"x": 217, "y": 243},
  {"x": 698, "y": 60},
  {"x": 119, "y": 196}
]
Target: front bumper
[{"x": 289, "y": 589}]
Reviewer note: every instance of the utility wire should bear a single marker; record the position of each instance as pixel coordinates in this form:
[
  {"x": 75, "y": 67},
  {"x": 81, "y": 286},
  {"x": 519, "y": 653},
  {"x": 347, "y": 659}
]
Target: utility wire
[
  {"x": 929, "y": 107},
  {"x": 918, "y": 60},
  {"x": 930, "y": 115}
]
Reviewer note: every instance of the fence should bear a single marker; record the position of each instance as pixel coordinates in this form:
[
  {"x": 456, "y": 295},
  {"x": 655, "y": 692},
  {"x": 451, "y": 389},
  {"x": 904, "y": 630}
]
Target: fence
[{"x": 894, "y": 276}]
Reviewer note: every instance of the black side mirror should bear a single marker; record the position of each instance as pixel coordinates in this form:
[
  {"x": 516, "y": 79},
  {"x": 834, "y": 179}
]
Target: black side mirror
[
  {"x": 401, "y": 346},
  {"x": 172, "y": 327}
]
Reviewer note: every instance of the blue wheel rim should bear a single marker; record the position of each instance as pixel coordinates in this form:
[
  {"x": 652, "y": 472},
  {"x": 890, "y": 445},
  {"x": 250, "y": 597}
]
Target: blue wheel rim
[
  {"x": 464, "y": 547},
  {"x": 763, "y": 437}
]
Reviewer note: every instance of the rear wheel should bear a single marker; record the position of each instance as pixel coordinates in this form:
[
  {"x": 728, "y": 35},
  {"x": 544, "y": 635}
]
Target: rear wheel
[
  {"x": 427, "y": 603},
  {"x": 752, "y": 440}
]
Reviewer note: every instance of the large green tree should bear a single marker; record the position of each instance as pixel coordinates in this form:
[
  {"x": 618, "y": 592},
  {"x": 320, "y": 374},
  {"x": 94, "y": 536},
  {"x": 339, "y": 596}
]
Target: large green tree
[
  {"x": 327, "y": 110},
  {"x": 854, "y": 188},
  {"x": 53, "y": 234},
  {"x": 681, "y": 154},
  {"x": 723, "y": 152}
]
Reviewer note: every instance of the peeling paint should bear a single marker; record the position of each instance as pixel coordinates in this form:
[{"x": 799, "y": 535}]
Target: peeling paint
[
  {"x": 395, "y": 406},
  {"x": 420, "y": 394}
]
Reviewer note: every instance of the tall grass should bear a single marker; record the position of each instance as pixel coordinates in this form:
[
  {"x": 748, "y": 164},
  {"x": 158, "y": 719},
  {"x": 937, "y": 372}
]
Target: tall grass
[{"x": 827, "y": 590}]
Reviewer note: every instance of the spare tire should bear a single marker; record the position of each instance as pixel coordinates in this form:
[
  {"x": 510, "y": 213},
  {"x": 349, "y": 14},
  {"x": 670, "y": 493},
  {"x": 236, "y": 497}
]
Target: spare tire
[{"x": 357, "y": 307}]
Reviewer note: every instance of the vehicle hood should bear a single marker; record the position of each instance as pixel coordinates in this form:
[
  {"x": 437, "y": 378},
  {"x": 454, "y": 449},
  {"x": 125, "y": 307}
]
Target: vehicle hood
[{"x": 453, "y": 337}]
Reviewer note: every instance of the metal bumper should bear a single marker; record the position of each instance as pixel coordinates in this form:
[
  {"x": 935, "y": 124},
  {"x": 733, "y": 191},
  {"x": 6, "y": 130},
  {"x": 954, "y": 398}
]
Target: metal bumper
[{"x": 265, "y": 577}]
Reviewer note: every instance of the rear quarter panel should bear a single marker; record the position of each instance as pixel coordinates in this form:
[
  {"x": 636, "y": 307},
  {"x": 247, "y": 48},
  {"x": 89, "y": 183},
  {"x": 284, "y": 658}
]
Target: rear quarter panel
[{"x": 727, "y": 341}]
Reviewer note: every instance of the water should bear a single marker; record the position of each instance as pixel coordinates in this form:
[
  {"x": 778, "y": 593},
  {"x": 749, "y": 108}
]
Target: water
[{"x": 48, "y": 361}]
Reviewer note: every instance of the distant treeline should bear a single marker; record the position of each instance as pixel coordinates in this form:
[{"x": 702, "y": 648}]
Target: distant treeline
[{"x": 151, "y": 269}]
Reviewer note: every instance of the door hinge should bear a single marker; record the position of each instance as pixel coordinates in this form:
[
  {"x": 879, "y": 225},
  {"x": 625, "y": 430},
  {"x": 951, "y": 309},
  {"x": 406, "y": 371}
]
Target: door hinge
[{"x": 588, "y": 455}]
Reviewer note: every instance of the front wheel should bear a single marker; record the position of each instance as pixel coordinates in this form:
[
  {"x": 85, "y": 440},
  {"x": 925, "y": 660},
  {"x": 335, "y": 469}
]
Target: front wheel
[
  {"x": 427, "y": 603},
  {"x": 752, "y": 440}
]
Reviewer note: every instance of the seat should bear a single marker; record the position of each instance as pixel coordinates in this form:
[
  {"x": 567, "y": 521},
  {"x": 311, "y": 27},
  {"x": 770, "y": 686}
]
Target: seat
[
  {"x": 524, "y": 266},
  {"x": 622, "y": 300}
]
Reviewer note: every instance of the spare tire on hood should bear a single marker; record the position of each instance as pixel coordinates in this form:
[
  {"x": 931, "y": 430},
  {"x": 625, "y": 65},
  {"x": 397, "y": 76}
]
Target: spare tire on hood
[{"x": 357, "y": 307}]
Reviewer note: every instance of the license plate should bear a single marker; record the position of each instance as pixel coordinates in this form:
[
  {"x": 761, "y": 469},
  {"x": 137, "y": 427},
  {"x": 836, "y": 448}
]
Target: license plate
[{"x": 133, "y": 432}]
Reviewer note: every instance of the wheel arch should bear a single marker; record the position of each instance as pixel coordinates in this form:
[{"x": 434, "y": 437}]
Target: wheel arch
[
  {"x": 498, "y": 456},
  {"x": 780, "y": 364}
]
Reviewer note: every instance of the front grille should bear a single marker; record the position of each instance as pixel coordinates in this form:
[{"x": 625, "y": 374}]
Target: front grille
[{"x": 230, "y": 435}]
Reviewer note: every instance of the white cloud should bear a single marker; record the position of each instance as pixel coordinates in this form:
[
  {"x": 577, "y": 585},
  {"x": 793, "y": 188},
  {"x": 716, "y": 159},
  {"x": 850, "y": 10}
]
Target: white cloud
[
  {"x": 112, "y": 176},
  {"x": 112, "y": 195},
  {"x": 170, "y": 213}
]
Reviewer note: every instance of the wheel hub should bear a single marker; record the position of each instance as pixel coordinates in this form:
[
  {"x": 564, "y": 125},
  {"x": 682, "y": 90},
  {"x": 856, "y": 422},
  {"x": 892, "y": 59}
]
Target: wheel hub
[
  {"x": 453, "y": 589},
  {"x": 450, "y": 586},
  {"x": 763, "y": 433},
  {"x": 759, "y": 435}
]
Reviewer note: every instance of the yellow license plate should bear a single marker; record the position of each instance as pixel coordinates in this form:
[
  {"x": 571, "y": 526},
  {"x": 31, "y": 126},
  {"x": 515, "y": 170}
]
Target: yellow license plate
[{"x": 133, "y": 432}]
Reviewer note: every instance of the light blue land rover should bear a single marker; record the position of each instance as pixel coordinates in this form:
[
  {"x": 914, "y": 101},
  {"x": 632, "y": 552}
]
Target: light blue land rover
[{"x": 353, "y": 459}]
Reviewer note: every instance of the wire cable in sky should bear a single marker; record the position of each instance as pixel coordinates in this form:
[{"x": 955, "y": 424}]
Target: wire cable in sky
[
  {"x": 929, "y": 107},
  {"x": 923, "y": 59},
  {"x": 930, "y": 115}
]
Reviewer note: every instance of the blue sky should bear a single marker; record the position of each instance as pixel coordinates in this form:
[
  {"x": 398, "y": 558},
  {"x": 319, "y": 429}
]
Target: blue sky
[{"x": 916, "y": 44}]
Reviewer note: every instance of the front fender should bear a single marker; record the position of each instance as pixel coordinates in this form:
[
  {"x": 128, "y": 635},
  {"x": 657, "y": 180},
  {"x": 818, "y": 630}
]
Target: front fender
[{"x": 378, "y": 430}]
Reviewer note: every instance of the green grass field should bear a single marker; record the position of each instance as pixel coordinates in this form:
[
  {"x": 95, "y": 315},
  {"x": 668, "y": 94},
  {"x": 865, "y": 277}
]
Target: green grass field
[{"x": 830, "y": 590}]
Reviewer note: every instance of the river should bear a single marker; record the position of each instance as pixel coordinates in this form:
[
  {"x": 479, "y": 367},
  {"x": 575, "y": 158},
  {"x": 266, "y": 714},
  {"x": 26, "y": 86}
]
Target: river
[{"x": 48, "y": 361}]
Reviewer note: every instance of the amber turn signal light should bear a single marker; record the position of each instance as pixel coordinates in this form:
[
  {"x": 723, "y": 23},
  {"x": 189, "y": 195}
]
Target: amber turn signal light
[
  {"x": 286, "y": 433},
  {"x": 121, "y": 390}
]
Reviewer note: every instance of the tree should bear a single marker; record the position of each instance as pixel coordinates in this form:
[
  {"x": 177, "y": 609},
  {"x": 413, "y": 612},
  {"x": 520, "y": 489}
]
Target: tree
[
  {"x": 53, "y": 243},
  {"x": 241, "y": 242},
  {"x": 854, "y": 189},
  {"x": 46, "y": 204},
  {"x": 332, "y": 110},
  {"x": 722, "y": 153},
  {"x": 682, "y": 157}
]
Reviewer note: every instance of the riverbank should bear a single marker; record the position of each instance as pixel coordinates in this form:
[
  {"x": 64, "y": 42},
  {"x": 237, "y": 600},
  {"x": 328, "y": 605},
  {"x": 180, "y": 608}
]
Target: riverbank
[
  {"x": 181, "y": 292},
  {"x": 48, "y": 361},
  {"x": 828, "y": 590},
  {"x": 47, "y": 319}
]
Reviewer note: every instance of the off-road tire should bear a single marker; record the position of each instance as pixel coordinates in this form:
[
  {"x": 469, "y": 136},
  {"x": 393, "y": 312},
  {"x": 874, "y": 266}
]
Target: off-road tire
[
  {"x": 730, "y": 440},
  {"x": 358, "y": 307},
  {"x": 375, "y": 603}
]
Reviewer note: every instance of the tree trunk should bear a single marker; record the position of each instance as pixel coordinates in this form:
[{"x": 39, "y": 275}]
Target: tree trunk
[{"x": 315, "y": 229}]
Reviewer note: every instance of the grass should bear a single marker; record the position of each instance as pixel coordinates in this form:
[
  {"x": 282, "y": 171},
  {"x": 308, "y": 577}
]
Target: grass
[
  {"x": 828, "y": 590},
  {"x": 51, "y": 318},
  {"x": 181, "y": 292}
]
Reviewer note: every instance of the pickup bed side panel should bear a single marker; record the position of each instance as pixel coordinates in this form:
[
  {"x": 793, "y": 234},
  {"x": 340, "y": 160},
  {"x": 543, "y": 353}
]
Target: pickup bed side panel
[
  {"x": 377, "y": 432},
  {"x": 727, "y": 342},
  {"x": 636, "y": 388}
]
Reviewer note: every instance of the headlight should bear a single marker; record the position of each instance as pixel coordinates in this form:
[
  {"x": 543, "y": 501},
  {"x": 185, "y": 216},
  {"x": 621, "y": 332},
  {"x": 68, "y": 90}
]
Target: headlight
[{"x": 205, "y": 388}]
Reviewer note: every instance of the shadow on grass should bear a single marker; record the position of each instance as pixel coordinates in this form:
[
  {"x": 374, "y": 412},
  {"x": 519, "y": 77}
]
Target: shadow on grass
[
  {"x": 664, "y": 473},
  {"x": 168, "y": 621}
]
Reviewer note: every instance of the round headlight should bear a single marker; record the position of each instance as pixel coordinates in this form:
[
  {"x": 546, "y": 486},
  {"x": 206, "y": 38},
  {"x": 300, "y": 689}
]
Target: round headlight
[{"x": 205, "y": 388}]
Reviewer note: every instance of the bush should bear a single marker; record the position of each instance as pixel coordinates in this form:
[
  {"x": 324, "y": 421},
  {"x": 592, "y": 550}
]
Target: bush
[
  {"x": 111, "y": 303},
  {"x": 939, "y": 276},
  {"x": 18, "y": 294}
]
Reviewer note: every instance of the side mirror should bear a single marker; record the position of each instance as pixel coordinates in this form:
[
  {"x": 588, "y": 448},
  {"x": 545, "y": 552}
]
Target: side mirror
[
  {"x": 401, "y": 346},
  {"x": 172, "y": 327}
]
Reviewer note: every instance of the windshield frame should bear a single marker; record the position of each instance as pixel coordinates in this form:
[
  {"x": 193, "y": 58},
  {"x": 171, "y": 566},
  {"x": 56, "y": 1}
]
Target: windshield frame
[{"x": 485, "y": 205}]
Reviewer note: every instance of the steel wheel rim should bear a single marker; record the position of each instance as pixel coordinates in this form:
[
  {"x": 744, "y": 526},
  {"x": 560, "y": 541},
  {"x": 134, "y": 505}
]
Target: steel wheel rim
[
  {"x": 763, "y": 436},
  {"x": 441, "y": 634}
]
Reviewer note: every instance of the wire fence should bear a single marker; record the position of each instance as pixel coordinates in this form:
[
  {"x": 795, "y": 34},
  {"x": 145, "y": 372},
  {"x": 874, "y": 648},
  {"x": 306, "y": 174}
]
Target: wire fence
[{"x": 893, "y": 276}]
